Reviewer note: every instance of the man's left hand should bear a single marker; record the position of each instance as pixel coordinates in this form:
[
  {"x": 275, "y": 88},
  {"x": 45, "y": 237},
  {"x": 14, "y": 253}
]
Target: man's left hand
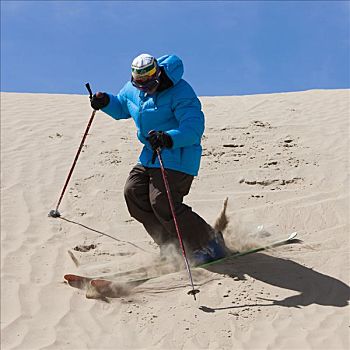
[{"x": 159, "y": 139}]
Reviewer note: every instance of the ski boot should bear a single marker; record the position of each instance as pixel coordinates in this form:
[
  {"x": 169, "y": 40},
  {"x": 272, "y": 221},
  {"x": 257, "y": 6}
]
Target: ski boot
[{"x": 215, "y": 249}]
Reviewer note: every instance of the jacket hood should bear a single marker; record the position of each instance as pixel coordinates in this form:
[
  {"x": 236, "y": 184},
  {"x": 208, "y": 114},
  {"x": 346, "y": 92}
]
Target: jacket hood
[{"x": 173, "y": 67}]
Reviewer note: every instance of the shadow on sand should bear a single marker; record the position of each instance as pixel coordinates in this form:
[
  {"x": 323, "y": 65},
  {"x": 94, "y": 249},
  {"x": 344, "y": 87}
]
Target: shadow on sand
[
  {"x": 102, "y": 233},
  {"x": 313, "y": 287}
]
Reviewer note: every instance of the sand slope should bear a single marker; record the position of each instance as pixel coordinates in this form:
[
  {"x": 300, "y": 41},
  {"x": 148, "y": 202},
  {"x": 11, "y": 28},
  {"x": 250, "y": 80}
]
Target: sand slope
[{"x": 283, "y": 161}]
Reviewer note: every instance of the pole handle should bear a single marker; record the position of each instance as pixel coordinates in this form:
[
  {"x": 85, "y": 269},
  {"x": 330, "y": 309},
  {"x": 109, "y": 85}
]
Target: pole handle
[{"x": 87, "y": 85}]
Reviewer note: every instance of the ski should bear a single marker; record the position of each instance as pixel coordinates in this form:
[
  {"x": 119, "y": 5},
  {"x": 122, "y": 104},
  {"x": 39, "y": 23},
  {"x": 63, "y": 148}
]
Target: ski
[
  {"x": 78, "y": 281},
  {"x": 291, "y": 239},
  {"x": 109, "y": 288}
]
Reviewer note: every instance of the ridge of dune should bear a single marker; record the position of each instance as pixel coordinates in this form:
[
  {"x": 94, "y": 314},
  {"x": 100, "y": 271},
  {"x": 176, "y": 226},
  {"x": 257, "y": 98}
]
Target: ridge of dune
[{"x": 283, "y": 161}]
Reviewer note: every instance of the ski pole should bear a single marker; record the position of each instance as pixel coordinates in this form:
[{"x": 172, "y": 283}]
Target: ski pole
[
  {"x": 193, "y": 291},
  {"x": 55, "y": 213}
]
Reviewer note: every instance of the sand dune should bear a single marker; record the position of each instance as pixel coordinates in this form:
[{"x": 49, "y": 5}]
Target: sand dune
[{"x": 283, "y": 161}]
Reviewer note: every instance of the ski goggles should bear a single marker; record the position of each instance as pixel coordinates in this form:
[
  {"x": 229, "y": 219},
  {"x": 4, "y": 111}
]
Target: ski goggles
[{"x": 146, "y": 83}]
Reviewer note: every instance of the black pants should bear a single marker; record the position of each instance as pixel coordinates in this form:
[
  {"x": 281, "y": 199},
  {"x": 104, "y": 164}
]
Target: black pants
[{"x": 147, "y": 202}]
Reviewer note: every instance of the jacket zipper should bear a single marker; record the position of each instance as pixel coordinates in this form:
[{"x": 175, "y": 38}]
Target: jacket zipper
[{"x": 140, "y": 112}]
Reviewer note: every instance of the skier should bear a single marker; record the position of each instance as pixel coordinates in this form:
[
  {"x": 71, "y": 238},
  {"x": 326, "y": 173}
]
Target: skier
[{"x": 168, "y": 115}]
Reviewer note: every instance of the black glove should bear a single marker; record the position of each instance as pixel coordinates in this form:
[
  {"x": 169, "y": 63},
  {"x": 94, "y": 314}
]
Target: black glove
[
  {"x": 99, "y": 100},
  {"x": 159, "y": 139}
]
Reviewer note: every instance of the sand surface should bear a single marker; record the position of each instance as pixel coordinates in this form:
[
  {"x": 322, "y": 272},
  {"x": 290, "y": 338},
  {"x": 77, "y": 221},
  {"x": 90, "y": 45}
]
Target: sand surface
[{"x": 283, "y": 161}]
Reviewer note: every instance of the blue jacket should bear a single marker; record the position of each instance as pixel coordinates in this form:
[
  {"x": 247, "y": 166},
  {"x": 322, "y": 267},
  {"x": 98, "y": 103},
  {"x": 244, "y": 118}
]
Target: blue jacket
[{"x": 176, "y": 110}]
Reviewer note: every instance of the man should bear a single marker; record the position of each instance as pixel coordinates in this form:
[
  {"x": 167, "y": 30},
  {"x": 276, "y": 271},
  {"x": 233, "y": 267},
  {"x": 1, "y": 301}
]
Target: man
[{"x": 168, "y": 115}]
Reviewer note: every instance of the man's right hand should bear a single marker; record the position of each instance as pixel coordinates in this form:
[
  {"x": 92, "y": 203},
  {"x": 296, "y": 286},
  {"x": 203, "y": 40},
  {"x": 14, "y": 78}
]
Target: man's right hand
[{"x": 99, "y": 100}]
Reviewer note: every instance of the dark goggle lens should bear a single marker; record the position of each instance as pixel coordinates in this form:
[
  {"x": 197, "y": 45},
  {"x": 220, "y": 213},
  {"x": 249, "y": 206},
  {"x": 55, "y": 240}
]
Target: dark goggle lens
[{"x": 145, "y": 85}]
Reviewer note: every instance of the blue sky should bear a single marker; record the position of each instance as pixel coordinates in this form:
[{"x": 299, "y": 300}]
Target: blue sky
[{"x": 228, "y": 47}]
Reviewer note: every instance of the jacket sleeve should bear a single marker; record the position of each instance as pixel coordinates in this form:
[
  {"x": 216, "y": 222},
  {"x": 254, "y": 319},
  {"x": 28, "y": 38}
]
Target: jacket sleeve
[
  {"x": 117, "y": 107},
  {"x": 187, "y": 111}
]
